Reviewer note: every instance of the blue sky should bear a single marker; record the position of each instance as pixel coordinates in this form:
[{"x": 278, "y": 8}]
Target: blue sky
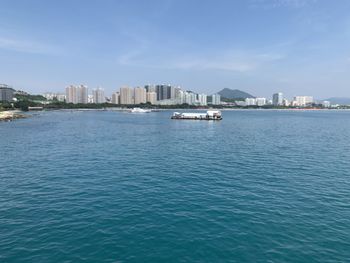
[{"x": 299, "y": 47}]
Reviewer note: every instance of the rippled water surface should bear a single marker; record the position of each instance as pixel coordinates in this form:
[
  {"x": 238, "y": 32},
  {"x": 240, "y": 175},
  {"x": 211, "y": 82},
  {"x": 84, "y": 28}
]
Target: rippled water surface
[{"x": 259, "y": 186}]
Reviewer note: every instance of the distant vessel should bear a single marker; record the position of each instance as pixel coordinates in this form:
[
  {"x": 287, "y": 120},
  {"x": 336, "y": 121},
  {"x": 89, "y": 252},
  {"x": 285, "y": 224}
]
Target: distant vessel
[
  {"x": 214, "y": 115},
  {"x": 139, "y": 110},
  {"x": 35, "y": 108}
]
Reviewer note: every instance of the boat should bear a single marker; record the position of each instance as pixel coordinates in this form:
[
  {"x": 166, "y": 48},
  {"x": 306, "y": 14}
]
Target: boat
[
  {"x": 35, "y": 108},
  {"x": 139, "y": 110},
  {"x": 214, "y": 115}
]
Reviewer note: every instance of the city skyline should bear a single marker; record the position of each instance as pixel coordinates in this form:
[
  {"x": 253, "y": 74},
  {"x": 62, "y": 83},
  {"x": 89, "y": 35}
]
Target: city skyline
[
  {"x": 259, "y": 46},
  {"x": 169, "y": 95}
]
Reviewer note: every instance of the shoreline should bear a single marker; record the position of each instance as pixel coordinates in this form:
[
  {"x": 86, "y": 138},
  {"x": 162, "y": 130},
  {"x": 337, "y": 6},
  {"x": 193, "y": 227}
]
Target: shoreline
[{"x": 11, "y": 115}]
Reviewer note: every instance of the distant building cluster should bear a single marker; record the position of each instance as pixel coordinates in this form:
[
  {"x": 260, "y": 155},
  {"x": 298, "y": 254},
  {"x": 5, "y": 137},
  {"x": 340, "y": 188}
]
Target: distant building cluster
[
  {"x": 278, "y": 100},
  {"x": 165, "y": 95},
  {"x": 159, "y": 95},
  {"x": 152, "y": 94},
  {"x": 55, "y": 96},
  {"x": 77, "y": 94}
]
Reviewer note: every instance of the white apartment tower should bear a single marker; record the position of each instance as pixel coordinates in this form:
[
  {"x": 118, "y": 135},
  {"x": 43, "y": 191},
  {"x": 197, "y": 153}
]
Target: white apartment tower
[
  {"x": 126, "y": 96},
  {"x": 151, "y": 97},
  {"x": 202, "y": 99},
  {"x": 250, "y": 102},
  {"x": 77, "y": 94},
  {"x": 303, "y": 100},
  {"x": 216, "y": 99},
  {"x": 115, "y": 98},
  {"x": 98, "y": 95},
  {"x": 260, "y": 101},
  {"x": 140, "y": 95}
]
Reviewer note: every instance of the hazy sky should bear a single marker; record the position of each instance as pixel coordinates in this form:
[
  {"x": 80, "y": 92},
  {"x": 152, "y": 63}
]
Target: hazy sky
[{"x": 299, "y": 47}]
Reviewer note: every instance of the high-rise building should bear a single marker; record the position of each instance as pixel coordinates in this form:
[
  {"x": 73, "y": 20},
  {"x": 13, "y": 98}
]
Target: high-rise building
[
  {"x": 83, "y": 94},
  {"x": 6, "y": 92},
  {"x": 277, "y": 99},
  {"x": 250, "y": 101},
  {"x": 71, "y": 94},
  {"x": 172, "y": 93},
  {"x": 98, "y": 96},
  {"x": 151, "y": 97},
  {"x": 140, "y": 95},
  {"x": 77, "y": 94},
  {"x": 303, "y": 100},
  {"x": 202, "y": 99},
  {"x": 115, "y": 98},
  {"x": 187, "y": 97},
  {"x": 177, "y": 92},
  {"x": 164, "y": 92},
  {"x": 126, "y": 96},
  {"x": 260, "y": 101},
  {"x": 326, "y": 104},
  {"x": 150, "y": 88},
  {"x": 216, "y": 99}
]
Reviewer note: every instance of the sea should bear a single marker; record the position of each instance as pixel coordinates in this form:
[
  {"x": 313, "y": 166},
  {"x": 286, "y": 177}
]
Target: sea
[{"x": 112, "y": 186}]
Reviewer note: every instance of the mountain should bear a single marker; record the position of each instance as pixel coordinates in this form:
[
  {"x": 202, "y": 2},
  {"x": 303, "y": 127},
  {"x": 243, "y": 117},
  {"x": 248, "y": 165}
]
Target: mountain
[
  {"x": 234, "y": 94},
  {"x": 339, "y": 100}
]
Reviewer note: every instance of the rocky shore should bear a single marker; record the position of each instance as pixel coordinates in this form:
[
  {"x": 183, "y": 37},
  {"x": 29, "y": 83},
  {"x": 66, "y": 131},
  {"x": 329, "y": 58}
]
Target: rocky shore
[{"x": 11, "y": 115}]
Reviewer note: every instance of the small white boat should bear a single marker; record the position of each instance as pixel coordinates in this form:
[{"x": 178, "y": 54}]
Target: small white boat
[{"x": 139, "y": 110}]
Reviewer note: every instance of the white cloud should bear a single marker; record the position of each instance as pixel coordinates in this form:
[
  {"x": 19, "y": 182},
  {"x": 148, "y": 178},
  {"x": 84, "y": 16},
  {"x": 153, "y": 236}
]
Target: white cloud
[
  {"x": 26, "y": 46},
  {"x": 281, "y": 3},
  {"x": 228, "y": 61}
]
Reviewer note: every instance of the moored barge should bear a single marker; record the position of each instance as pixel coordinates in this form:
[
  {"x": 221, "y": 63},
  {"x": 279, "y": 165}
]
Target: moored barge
[{"x": 210, "y": 115}]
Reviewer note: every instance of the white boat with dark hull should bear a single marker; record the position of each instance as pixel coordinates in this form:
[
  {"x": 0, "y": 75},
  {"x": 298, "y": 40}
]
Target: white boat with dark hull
[{"x": 139, "y": 110}]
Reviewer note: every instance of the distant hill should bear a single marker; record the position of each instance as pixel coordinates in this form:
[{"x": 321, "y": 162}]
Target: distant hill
[
  {"x": 234, "y": 94},
  {"x": 339, "y": 100}
]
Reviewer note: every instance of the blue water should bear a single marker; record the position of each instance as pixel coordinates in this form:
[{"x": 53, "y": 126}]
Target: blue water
[{"x": 101, "y": 186}]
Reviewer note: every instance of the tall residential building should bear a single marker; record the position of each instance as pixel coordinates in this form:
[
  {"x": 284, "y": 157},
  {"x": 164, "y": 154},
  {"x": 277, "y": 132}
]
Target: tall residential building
[
  {"x": 187, "y": 98},
  {"x": 151, "y": 97},
  {"x": 260, "y": 101},
  {"x": 98, "y": 95},
  {"x": 178, "y": 93},
  {"x": 326, "y": 104},
  {"x": 277, "y": 99},
  {"x": 216, "y": 99},
  {"x": 165, "y": 92},
  {"x": 6, "y": 92},
  {"x": 202, "y": 99},
  {"x": 126, "y": 96},
  {"x": 140, "y": 95},
  {"x": 303, "y": 100},
  {"x": 115, "y": 98},
  {"x": 190, "y": 98},
  {"x": 77, "y": 94},
  {"x": 83, "y": 94},
  {"x": 286, "y": 103},
  {"x": 250, "y": 102},
  {"x": 172, "y": 93},
  {"x": 71, "y": 94},
  {"x": 150, "y": 88}
]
